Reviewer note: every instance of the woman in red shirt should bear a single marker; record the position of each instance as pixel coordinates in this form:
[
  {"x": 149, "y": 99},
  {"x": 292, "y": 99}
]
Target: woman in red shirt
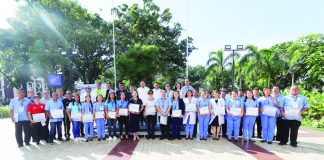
[{"x": 36, "y": 115}]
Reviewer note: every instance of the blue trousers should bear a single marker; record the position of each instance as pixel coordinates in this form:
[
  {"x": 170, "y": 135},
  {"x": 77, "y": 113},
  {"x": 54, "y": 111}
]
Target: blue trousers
[
  {"x": 88, "y": 126},
  {"x": 203, "y": 125},
  {"x": 76, "y": 128},
  {"x": 233, "y": 123},
  {"x": 100, "y": 127},
  {"x": 248, "y": 125},
  {"x": 268, "y": 127},
  {"x": 176, "y": 124},
  {"x": 112, "y": 127},
  {"x": 54, "y": 126},
  {"x": 189, "y": 128}
]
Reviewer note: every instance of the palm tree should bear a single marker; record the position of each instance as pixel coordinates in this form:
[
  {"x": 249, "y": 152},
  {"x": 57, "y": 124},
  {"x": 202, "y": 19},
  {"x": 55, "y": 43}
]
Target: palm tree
[{"x": 218, "y": 63}]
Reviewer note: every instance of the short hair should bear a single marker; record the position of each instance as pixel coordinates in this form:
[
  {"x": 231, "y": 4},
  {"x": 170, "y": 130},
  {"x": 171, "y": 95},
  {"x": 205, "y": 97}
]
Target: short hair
[
  {"x": 21, "y": 89},
  {"x": 121, "y": 83}
]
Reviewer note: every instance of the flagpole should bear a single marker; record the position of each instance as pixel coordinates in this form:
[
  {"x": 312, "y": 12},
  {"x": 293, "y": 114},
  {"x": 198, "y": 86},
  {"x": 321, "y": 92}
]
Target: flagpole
[
  {"x": 114, "y": 48},
  {"x": 187, "y": 47}
]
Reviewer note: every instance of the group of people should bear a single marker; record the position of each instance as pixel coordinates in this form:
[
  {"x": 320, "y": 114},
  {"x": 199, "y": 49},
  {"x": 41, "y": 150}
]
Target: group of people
[{"x": 200, "y": 112}]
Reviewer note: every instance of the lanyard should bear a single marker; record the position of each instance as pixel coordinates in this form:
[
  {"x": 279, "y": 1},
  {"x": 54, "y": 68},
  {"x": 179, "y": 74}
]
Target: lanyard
[
  {"x": 295, "y": 98},
  {"x": 204, "y": 101},
  {"x": 176, "y": 106},
  {"x": 163, "y": 103},
  {"x": 189, "y": 99}
]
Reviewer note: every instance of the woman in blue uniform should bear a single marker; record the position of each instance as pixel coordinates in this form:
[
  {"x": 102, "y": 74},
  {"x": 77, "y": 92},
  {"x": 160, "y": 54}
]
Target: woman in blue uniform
[
  {"x": 203, "y": 118},
  {"x": 234, "y": 108},
  {"x": 111, "y": 104},
  {"x": 87, "y": 109},
  {"x": 177, "y": 104},
  {"x": 135, "y": 116},
  {"x": 268, "y": 120},
  {"x": 75, "y": 107},
  {"x": 249, "y": 120},
  {"x": 122, "y": 119},
  {"x": 99, "y": 108}
]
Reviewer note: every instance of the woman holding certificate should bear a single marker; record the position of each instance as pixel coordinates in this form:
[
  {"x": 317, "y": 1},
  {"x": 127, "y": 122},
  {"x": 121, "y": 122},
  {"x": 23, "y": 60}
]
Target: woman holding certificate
[
  {"x": 190, "y": 115},
  {"x": 177, "y": 111},
  {"x": 99, "y": 113},
  {"x": 87, "y": 117},
  {"x": 135, "y": 106},
  {"x": 218, "y": 112},
  {"x": 150, "y": 114},
  {"x": 251, "y": 108},
  {"x": 268, "y": 116},
  {"x": 122, "y": 116},
  {"x": 36, "y": 115},
  {"x": 111, "y": 109},
  {"x": 234, "y": 108},
  {"x": 74, "y": 113},
  {"x": 204, "y": 106}
]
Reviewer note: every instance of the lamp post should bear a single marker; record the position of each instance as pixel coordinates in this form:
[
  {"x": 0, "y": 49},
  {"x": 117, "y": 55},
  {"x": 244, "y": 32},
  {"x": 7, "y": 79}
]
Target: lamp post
[{"x": 229, "y": 48}]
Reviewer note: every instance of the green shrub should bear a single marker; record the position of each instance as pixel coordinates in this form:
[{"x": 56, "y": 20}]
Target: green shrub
[{"x": 4, "y": 112}]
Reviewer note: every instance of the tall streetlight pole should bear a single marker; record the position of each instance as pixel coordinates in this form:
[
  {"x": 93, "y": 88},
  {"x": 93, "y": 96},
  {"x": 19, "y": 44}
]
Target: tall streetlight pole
[
  {"x": 187, "y": 46},
  {"x": 114, "y": 48},
  {"x": 229, "y": 48}
]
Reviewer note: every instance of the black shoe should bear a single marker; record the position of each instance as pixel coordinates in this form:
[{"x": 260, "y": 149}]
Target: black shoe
[
  {"x": 91, "y": 139},
  {"x": 51, "y": 142},
  {"x": 269, "y": 142},
  {"x": 191, "y": 138},
  {"x": 229, "y": 139},
  {"x": 37, "y": 143},
  {"x": 67, "y": 139},
  {"x": 60, "y": 139},
  {"x": 263, "y": 141},
  {"x": 27, "y": 144},
  {"x": 187, "y": 138},
  {"x": 201, "y": 139},
  {"x": 99, "y": 139},
  {"x": 236, "y": 140},
  {"x": 293, "y": 145},
  {"x": 82, "y": 135},
  {"x": 246, "y": 141},
  {"x": 251, "y": 140},
  {"x": 87, "y": 140},
  {"x": 148, "y": 138},
  {"x": 205, "y": 139},
  {"x": 217, "y": 139},
  {"x": 179, "y": 138},
  {"x": 104, "y": 139},
  {"x": 282, "y": 144},
  {"x": 161, "y": 138},
  {"x": 20, "y": 145},
  {"x": 214, "y": 139},
  {"x": 153, "y": 137}
]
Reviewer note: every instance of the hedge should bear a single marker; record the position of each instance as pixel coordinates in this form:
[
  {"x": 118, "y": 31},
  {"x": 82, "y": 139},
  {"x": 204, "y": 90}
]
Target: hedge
[{"x": 4, "y": 112}]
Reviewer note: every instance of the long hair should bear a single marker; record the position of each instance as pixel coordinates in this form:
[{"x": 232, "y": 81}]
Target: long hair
[
  {"x": 173, "y": 95},
  {"x": 246, "y": 95},
  {"x": 76, "y": 95},
  {"x": 186, "y": 95}
]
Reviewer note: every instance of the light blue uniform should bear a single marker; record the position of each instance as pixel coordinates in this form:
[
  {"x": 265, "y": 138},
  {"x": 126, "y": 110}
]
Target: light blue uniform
[
  {"x": 112, "y": 106},
  {"x": 249, "y": 121},
  {"x": 268, "y": 122},
  {"x": 19, "y": 107},
  {"x": 100, "y": 107},
  {"x": 122, "y": 104},
  {"x": 184, "y": 90},
  {"x": 295, "y": 102},
  {"x": 44, "y": 101},
  {"x": 88, "y": 108},
  {"x": 163, "y": 104},
  {"x": 203, "y": 119},
  {"x": 75, "y": 107},
  {"x": 233, "y": 122},
  {"x": 52, "y": 105}
]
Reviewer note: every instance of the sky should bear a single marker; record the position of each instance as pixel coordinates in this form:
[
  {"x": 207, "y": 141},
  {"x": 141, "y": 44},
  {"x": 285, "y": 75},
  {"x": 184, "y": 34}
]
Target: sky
[{"x": 216, "y": 23}]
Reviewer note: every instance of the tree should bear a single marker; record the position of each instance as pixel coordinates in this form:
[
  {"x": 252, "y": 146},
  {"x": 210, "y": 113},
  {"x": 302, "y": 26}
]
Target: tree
[{"x": 218, "y": 63}]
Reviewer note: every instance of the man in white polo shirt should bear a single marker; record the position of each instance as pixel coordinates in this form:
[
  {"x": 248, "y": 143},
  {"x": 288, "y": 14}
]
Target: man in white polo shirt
[{"x": 142, "y": 91}]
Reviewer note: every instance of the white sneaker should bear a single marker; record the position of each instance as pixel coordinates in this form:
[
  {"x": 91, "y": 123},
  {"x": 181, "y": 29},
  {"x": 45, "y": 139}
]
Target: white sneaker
[
  {"x": 110, "y": 139},
  {"x": 115, "y": 137},
  {"x": 76, "y": 139}
]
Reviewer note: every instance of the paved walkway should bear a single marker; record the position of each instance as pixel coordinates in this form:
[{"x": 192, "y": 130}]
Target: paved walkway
[{"x": 311, "y": 146}]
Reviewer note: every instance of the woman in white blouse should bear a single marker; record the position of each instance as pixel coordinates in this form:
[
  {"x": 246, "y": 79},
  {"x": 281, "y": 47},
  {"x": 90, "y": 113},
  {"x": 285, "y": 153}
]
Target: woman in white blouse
[
  {"x": 218, "y": 112},
  {"x": 190, "y": 114}
]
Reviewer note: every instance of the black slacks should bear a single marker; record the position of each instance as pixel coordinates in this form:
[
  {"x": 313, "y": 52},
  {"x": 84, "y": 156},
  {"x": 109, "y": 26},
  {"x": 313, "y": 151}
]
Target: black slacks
[{"x": 20, "y": 127}]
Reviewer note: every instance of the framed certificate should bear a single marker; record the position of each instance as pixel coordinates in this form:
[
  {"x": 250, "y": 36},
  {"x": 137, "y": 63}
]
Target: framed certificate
[
  {"x": 292, "y": 113},
  {"x": 123, "y": 112},
  {"x": 252, "y": 111},
  {"x": 176, "y": 113},
  {"x": 87, "y": 118},
  {"x": 100, "y": 114},
  {"x": 57, "y": 113},
  {"x": 191, "y": 107},
  {"x": 76, "y": 116},
  {"x": 235, "y": 111},
  {"x": 204, "y": 110},
  {"x": 269, "y": 111},
  {"x": 219, "y": 110},
  {"x": 163, "y": 120},
  {"x": 150, "y": 111},
  {"x": 133, "y": 107},
  {"x": 111, "y": 115},
  {"x": 40, "y": 117}
]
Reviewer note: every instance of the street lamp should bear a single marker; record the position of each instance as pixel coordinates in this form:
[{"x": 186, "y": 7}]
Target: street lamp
[{"x": 229, "y": 48}]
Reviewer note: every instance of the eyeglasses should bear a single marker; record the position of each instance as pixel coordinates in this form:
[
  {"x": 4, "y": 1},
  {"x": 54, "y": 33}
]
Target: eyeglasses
[{"x": 150, "y": 93}]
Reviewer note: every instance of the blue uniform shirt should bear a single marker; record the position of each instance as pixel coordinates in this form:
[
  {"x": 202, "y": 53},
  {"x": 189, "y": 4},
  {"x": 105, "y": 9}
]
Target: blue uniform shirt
[
  {"x": 268, "y": 102},
  {"x": 75, "y": 107},
  {"x": 250, "y": 103},
  {"x": 112, "y": 105},
  {"x": 203, "y": 103},
  {"x": 163, "y": 104},
  {"x": 44, "y": 101},
  {"x": 122, "y": 104},
  {"x": 88, "y": 108},
  {"x": 51, "y": 105},
  {"x": 234, "y": 103},
  {"x": 99, "y": 107},
  {"x": 19, "y": 107},
  {"x": 184, "y": 90},
  {"x": 298, "y": 101},
  {"x": 280, "y": 99},
  {"x": 175, "y": 104}
]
